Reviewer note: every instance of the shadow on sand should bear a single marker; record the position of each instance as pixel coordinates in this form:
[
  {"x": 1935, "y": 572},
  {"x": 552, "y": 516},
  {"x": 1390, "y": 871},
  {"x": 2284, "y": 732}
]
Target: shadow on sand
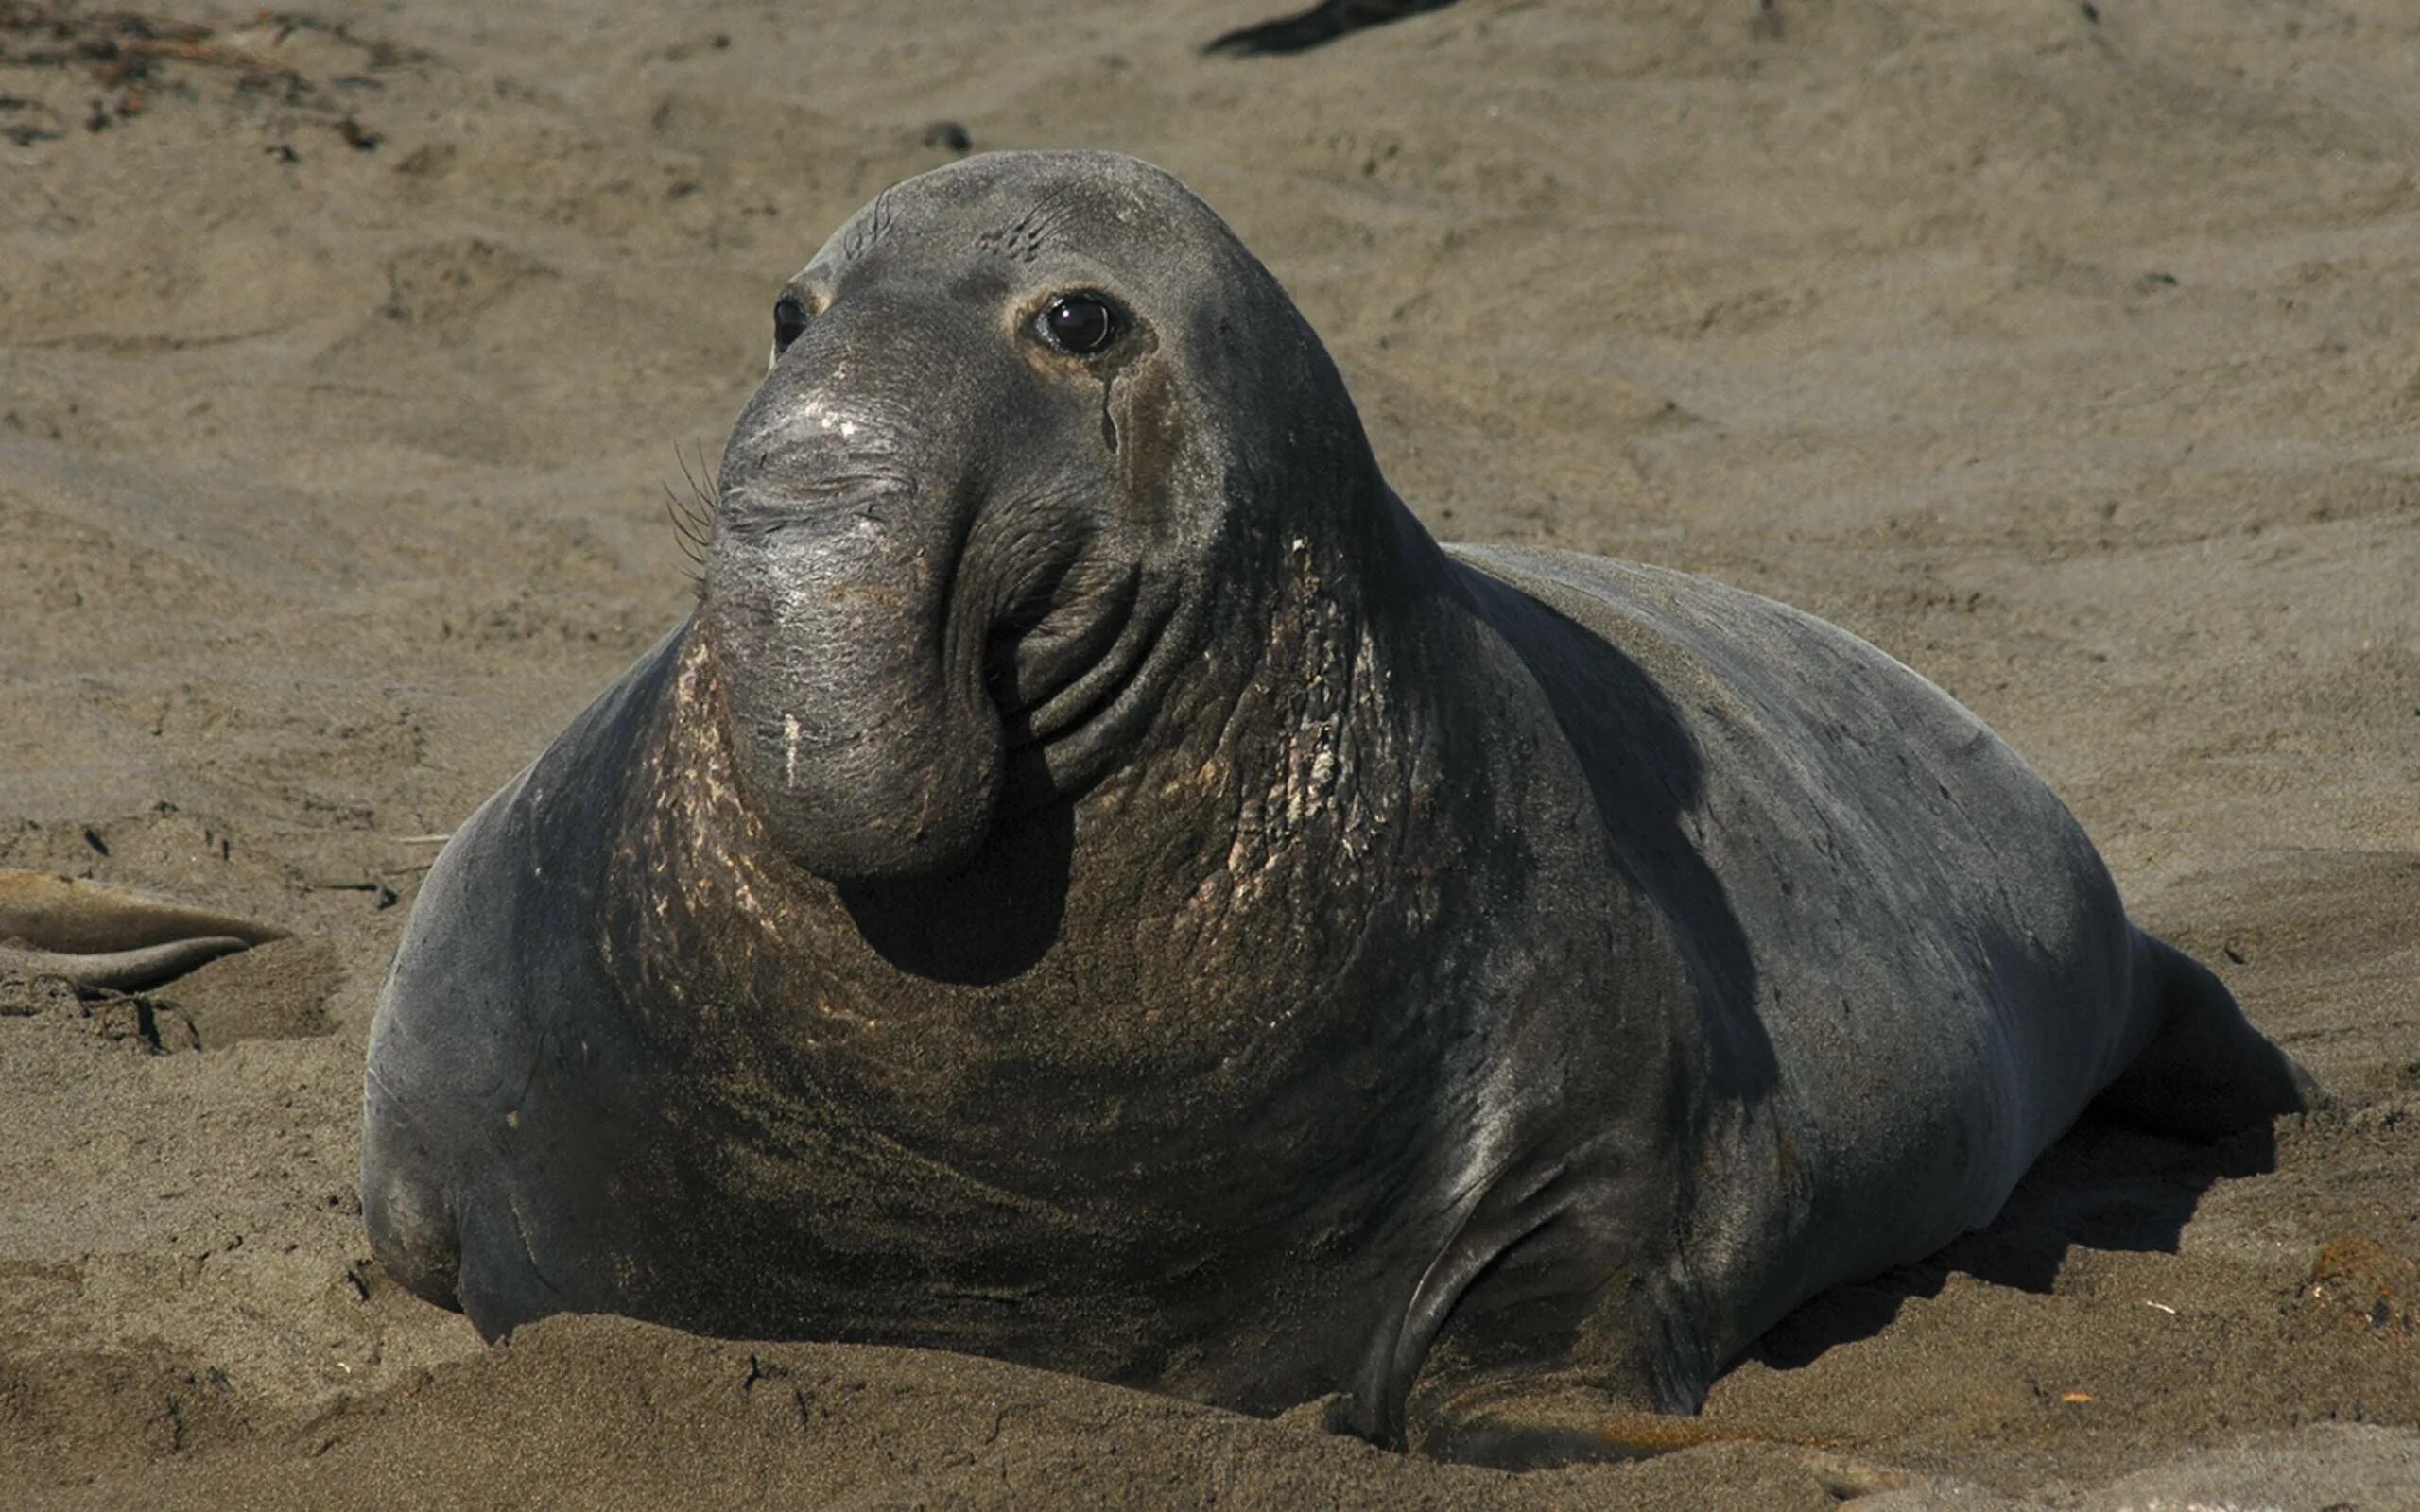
[{"x": 2104, "y": 1186}]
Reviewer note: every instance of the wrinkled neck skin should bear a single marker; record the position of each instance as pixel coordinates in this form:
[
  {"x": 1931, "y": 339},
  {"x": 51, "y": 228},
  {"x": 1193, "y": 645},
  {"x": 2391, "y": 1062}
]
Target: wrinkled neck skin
[
  {"x": 1232, "y": 826},
  {"x": 1169, "y": 1033}
]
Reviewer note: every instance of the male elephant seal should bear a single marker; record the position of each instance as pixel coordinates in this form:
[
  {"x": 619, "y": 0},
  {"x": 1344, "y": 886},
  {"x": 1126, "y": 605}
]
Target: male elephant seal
[{"x": 1095, "y": 884}]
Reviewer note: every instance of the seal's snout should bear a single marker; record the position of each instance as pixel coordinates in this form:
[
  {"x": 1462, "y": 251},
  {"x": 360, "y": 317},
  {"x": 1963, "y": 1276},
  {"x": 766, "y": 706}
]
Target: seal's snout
[
  {"x": 852, "y": 683},
  {"x": 920, "y": 568},
  {"x": 858, "y": 727}
]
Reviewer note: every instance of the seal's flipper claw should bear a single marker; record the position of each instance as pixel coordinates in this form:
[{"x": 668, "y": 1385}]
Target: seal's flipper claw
[
  {"x": 95, "y": 935},
  {"x": 1536, "y": 1433},
  {"x": 1570, "y": 1426}
]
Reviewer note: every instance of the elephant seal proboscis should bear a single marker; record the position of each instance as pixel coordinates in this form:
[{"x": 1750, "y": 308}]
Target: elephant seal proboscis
[{"x": 1095, "y": 884}]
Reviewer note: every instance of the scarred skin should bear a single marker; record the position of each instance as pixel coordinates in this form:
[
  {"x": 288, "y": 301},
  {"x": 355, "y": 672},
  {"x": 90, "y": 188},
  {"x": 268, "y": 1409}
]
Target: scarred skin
[{"x": 1095, "y": 884}]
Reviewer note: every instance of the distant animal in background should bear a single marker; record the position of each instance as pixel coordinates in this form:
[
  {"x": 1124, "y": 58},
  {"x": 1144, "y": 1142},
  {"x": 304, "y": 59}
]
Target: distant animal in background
[
  {"x": 97, "y": 937},
  {"x": 1325, "y": 21}
]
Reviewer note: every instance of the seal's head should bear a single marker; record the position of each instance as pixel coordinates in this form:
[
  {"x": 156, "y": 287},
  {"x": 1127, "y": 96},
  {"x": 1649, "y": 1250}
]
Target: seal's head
[{"x": 1033, "y": 421}]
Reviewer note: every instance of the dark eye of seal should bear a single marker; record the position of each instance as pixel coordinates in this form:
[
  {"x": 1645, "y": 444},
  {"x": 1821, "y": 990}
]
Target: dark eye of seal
[
  {"x": 1079, "y": 323},
  {"x": 789, "y": 320}
]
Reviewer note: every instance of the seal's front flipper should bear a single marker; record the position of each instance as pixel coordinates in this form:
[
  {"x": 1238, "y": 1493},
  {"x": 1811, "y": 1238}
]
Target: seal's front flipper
[
  {"x": 1514, "y": 1427},
  {"x": 1533, "y": 1425},
  {"x": 2208, "y": 1072},
  {"x": 95, "y": 936}
]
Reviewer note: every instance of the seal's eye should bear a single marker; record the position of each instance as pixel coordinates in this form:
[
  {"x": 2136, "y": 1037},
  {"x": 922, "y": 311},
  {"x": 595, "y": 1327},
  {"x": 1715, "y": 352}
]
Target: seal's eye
[
  {"x": 790, "y": 322},
  {"x": 1079, "y": 323}
]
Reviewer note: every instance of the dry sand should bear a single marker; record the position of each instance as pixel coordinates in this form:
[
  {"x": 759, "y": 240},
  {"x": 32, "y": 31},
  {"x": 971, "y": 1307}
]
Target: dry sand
[{"x": 2075, "y": 359}]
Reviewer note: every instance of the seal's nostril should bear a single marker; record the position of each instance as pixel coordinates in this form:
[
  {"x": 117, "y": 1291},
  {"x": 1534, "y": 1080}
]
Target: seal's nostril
[{"x": 790, "y": 322}]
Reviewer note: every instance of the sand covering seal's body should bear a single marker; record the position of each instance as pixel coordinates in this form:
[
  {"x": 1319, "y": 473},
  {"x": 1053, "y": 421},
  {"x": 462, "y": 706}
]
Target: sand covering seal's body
[{"x": 1095, "y": 884}]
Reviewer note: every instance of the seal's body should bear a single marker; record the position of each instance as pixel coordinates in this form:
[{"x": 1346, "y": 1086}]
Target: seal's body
[{"x": 1095, "y": 884}]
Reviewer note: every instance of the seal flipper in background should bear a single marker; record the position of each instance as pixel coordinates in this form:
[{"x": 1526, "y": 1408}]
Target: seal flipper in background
[
  {"x": 1322, "y": 23},
  {"x": 2206, "y": 1072},
  {"x": 98, "y": 937}
]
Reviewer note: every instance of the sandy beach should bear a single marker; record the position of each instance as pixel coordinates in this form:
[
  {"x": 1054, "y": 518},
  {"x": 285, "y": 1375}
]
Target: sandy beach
[{"x": 2069, "y": 352}]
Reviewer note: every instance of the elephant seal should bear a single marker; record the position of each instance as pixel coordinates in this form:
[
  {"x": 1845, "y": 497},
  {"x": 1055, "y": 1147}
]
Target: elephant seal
[
  {"x": 1093, "y": 883},
  {"x": 96, "y": 937}
]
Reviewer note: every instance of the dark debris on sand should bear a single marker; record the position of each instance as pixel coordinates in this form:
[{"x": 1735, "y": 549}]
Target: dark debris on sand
[{"x": 136, "y": 59}]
